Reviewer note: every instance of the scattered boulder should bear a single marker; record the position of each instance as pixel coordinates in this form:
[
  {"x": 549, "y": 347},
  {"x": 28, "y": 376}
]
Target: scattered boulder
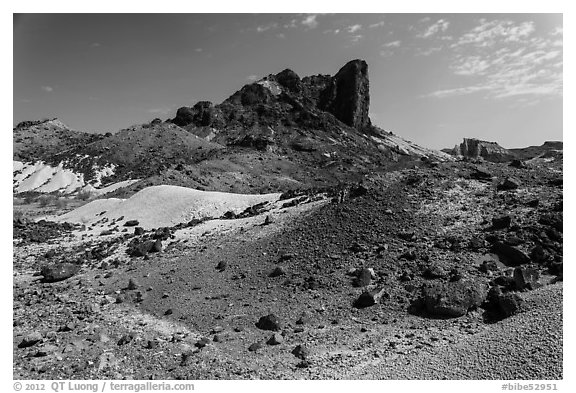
[
  {"x": 125, "y": 339},
  {"x": 269, "y": 322},
  {"x": 156, "y": 246},
  {"x": 434, "y": 271},
  {"x": 363, "y": 277},
  {"x": 140, "y": 248},
  {"x": 202, "y": 342},
  {"x": 508, "y": 184},
  {"x": 278, "y": 271},
  {"x": 517, "y": 164},
  {"x": 526, "y": 278},
  {"x": 138, "y": 231},
  {"x": 481, "y": 173},
  {"x": 30, "y": 339},
  {"x": 301, "y": 352},
  {"x": 269, "y": 220},
  {"x": 221, "y": 266},
  {"x": 275, "y": 339},
  {"x": 132, "y": 284},
  {"x": 370, "y": 298},
  {"x": 503, "y": 305},
  {"x": 488, "y": 265},
  {"x": 256, "y": 346},
  {"x": 512, "y": 256},
  {"x": 451, "y": 299},
  {"x": 501, "y": 222},
  {"x": 131, "y": 223},
  {"x": 58, "y": 272}
]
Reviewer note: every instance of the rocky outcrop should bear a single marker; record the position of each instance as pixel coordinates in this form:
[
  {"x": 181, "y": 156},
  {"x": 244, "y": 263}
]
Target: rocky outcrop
[
  {"x": 348, "y": 95},
  {"x": 478, "y": 149}
]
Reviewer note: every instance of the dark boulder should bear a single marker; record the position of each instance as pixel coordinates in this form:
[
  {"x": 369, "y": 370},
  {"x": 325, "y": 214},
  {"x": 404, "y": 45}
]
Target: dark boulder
[
  {"x": 511, "y": 255},
  {"x": 30, "y": 340},
  {"x": 363, "y": 278},
  {"x": 301, "y": 352},
  {"x": 501, "y": 222},
  {"x": 370, "y": 298},
  {"x": 451, "y": 299},
  {"x": 278, "y": 271},
  {"x": 433, "y": 271},
  {"x": 269, "y": 322},
  {"x": 480, "y": 173},
  {"x": 508, "y": 184},
  {"x": 59, "y": 272},
  {"x": 140, "y": 248},
  {"x": 131, "y": 223},
  {"x": 517, "y": 164},
  {"x": 526, "y": 278},
  {"x": 503, "y": 305},
  {"x": 290, "y": 80}
]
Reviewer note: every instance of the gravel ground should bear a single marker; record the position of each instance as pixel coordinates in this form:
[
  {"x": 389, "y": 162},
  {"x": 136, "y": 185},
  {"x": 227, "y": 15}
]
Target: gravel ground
[{"x": 525, "y": 346}]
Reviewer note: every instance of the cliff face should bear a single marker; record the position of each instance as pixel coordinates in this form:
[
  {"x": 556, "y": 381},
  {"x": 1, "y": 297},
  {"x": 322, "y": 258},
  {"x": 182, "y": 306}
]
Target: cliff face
[{"x": 348, "y": 96}]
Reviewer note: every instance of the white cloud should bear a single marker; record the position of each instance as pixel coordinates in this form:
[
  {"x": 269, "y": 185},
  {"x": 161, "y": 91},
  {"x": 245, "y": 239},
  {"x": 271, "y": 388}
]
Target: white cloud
[
  {"x": 48, "y": 89},
  {"x": 198, "y": 50},
  {"x": 375, "y": 25},
  {"x": 387, "y": 53},
  {"x": 440, "y": 26},
  {"x": 159, "y": 111},
  {"x": 393, "y": 44},
  {"x": 263, "y": 28},
  {"x": 95, "y": 45},
  {"x": 354, "y": 28},
  {"x": 504, "y": 59},
  {"x": 310, "y": 21},
  {"x": 456, "y": 91},
  {"x": 557, "y": 31},
  {"x": 490, "y": 33},
  {"x": 427, "y": 51},
  {"x": 281, "y": 35},
  {"x": 291, "y": 25},
  {"x": 356, "y": 38}
]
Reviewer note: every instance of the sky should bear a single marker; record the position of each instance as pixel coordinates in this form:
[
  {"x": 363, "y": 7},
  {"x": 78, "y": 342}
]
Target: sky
[{"x": 434, "y": 78}]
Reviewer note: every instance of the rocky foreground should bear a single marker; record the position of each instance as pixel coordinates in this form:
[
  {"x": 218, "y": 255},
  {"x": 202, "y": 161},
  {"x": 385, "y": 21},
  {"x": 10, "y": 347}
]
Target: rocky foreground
[{"x": 440, "y": 270}]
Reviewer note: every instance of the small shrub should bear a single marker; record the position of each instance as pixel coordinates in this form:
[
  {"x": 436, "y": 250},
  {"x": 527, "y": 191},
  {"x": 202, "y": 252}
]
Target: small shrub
[
  {"x": 18, "y": 215},
  {"x": 44, "y": 200},
  {"x": 83, "y": 195},
  {"x": 61, "y": 203},
  {"x": 29, "y": 199}
]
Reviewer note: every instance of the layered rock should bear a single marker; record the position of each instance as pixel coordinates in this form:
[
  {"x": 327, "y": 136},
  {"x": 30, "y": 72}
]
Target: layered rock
[{"x": 489, "y": 151}]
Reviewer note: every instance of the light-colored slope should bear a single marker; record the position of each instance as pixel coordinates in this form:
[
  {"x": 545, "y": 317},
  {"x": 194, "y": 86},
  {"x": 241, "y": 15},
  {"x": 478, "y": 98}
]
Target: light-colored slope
[
  {"x": 161, "y": 206},
  {"x": 41, "y": 177},
  {"x": 409, "y": 148}
]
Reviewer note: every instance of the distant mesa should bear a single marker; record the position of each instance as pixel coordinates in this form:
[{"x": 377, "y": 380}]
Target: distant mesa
[
  {"x": 472, "y": 148},
  {"x": 476, "y": 148}
]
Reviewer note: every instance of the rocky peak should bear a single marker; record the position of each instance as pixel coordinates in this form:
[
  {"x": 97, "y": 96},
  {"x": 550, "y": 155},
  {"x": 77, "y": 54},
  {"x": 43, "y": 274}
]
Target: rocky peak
[
  {"x": 348, "y": 96},
  {"x": 289, "y": 80},
  {"x": 285, "y": 98}
]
